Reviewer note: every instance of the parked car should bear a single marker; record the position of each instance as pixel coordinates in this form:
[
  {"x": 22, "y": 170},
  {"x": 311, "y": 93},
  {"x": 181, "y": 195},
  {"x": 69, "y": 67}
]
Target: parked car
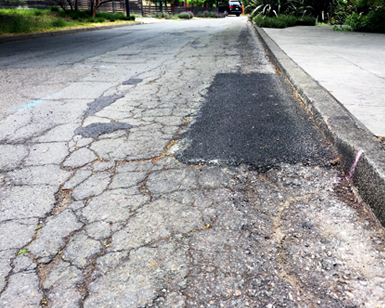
[{"x": 235, "y": 7}]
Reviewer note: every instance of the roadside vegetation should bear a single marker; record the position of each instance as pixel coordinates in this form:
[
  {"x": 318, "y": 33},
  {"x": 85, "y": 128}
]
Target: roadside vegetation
[
  {"x": 345, "y": 15},
  {"x": 19, "y": 21},
  {"x": 283, "y": 21},
  {"x": 166, "y": 15}
]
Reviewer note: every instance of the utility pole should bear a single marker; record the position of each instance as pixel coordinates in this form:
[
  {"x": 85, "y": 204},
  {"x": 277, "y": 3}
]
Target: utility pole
[{"x": 128, "y": 8}]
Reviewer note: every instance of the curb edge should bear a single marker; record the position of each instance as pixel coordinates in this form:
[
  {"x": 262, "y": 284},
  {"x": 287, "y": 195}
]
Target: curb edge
[{"x": 345, "y": 133}]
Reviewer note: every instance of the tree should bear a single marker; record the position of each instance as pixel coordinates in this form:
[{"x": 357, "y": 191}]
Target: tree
[
  {"x": 196, "y": 2},
  {"x": 96, "y": 4},
  {"x": 73, "y": 4}
]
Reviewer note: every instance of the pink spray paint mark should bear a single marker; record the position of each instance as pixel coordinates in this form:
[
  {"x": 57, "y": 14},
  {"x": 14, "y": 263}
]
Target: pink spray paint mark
[{"x": 354, "y": 165}]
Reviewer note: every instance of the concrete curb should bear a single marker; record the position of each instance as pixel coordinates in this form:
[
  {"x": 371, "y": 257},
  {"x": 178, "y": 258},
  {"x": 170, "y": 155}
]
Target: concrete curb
[
  {"x": 343, "y": 131},
  {"x": 24, "y": 37}
]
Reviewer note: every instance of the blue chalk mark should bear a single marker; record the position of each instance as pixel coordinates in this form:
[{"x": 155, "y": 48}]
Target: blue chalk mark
[{"x": 29, "y": 105}]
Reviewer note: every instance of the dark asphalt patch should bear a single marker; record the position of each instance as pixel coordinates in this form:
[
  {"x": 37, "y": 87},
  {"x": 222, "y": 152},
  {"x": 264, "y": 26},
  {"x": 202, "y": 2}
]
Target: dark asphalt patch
[
  {"x": 253, "y": 119},
  {"x": 101, "y": 102},
  {"x": 97, "y": 129},
  {"x": 132, "y": 81}
]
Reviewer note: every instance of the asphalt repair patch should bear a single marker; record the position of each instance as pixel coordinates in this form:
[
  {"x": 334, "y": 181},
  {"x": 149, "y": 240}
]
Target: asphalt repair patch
[
  {"x": 101, "y": 102},
  {"x": 96, "y": 129},
  {"x": 253, "y": 119}
]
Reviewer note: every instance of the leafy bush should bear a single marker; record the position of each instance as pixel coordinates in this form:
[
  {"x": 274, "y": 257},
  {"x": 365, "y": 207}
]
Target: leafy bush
[
  {"x": 131, "y": 17},
  {"x": 186, "y": 15},
  {"x": 326, "y": 11},
  {"x": 374, "y": 21},
  {"x": 210, "y": 14},
  {"x": 27, "y": 21},
  {"x": 341, "y": 11},
  {"x": 54, "y": 9},
  {"x": 119, "y": 16},
  {"x": 268, "y": 8},
  {"x": 306, "y": 21},
  {"x": 341, "y": 28},
  {"x": 79, "y": 15},
  {"x": 23, "y": 21},
  {"x": 59, "y": 23},
  {"x": 207, "y": 14},
  {"x": 282, "y": 21},
  {"x": 273, "y": 8},
  {"x": 20, "y": 24},
  {"x": 162, "y": 15}
]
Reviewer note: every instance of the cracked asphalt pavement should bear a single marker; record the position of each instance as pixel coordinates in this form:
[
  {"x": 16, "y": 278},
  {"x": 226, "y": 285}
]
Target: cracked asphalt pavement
[{"x": 143, "y": 167}]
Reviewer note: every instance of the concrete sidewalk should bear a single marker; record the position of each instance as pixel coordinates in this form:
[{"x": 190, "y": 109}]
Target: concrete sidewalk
[
  {"x": 350, "y": 65},
  {"x": 340, "y": 78}
]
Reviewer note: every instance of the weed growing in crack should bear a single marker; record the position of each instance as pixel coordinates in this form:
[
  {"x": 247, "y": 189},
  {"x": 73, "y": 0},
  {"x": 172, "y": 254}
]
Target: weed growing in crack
[{"x": 22, "y": 251}]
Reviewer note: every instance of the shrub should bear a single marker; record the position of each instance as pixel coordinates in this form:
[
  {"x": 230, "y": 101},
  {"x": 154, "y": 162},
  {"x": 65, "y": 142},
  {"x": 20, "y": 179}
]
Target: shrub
[
  {"x": 24, "y": 21},
  {"x": 59, "y": 23},
  {"x": 116, "y": 16},
  {"x": 306, "y": 21},
  {"x": 374, "y": 21},
  {"x": 343, "y": 10},
  {"x": 341, "y": 28},
  {"x": 207, "y": 14},
  {"x": 132, "y": 18},
  {"x": 90, "y": 19},
  {"x": 79, "y": 15},
  {"x": 103, "y": 15},
  {"x": 20, "y": 24},
  {"x": 109, "y": 16},
  {"x": 281, "y": 21},
  {"x": 162, "y": 15},
  {"x": 120, "y": 16},
  {"x": 54, "y": 9},
  {"x": 186, "y": 15}
]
